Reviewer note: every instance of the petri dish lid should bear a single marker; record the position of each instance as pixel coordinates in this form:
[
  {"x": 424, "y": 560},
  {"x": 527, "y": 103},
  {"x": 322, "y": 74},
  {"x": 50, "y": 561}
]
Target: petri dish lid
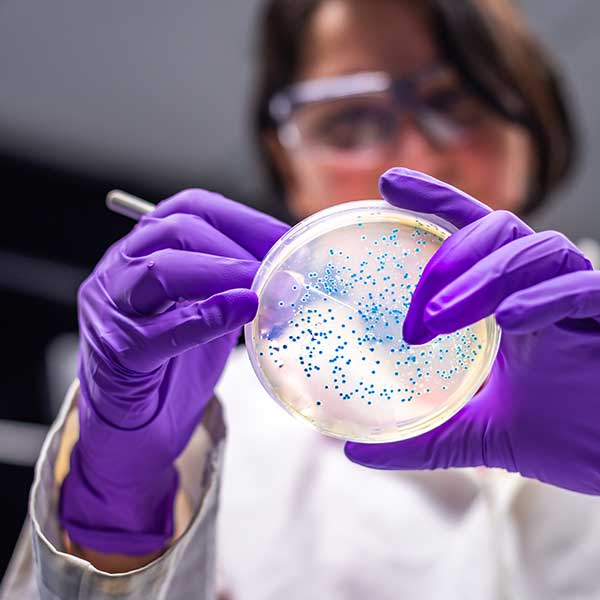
[{"x": 327, "y": 342}]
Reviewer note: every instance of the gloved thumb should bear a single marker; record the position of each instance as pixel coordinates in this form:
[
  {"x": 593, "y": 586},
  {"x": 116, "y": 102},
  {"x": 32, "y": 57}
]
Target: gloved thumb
[{"x": 459, "y": 442}]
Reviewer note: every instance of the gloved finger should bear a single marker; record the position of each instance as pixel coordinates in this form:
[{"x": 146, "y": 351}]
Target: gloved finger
[
  {"x": 173, "y": 332},
  {"x": 570, "y": 296},
  {"x": 516, "y": 266},
  {"x": 419, "y": 192},
  {"x": 459, "y": 442},
  {"x": 149, "y": 285},
  {"x": 250, "y": 228},
  {"x": 182, "y": 232},
  {"x": 457, "y": 254}
]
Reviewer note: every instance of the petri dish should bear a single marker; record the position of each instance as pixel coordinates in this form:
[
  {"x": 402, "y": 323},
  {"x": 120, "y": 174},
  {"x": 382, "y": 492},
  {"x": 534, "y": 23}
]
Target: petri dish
[{"x": 327, "y": 340}]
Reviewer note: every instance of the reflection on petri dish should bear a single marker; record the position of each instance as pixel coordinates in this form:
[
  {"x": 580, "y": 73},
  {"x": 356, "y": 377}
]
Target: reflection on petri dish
[{"x": 327, "y": 340}]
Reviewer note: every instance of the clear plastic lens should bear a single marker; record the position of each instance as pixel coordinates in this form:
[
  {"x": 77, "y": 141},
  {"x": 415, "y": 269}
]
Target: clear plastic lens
[
  {"x": 372, "y": 121},
  {"x": 348, "y": 125}
]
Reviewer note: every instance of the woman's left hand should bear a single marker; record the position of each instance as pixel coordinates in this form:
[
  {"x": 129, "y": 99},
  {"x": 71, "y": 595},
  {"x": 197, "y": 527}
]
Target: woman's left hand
[{"x": 539, "y": 412}]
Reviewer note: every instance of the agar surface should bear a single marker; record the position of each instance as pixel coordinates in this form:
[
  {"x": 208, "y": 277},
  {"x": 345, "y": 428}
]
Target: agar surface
[{"x": 330, "y": 333}]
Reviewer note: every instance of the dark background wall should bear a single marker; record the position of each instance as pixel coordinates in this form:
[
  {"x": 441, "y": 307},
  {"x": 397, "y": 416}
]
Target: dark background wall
[{"x": 151, "y": 97}]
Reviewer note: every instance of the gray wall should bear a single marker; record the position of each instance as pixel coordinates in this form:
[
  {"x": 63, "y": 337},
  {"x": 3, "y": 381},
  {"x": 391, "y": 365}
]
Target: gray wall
[
  {"x": 571, "y": 31},
  {"x": 159, "y": 89}
]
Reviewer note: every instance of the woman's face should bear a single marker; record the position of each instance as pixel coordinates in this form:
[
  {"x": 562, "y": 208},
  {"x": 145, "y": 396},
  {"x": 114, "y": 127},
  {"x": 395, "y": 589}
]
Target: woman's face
[{"x": 491, "y": 160}]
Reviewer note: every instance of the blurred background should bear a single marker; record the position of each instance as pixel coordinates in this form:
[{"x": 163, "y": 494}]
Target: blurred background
[{"x": 152, "y": 97}]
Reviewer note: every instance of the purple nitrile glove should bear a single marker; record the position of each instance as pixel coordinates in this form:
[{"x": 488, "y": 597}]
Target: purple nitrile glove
[
  {"x": 539, "y": 412},
  {"x": 158, "y": 318}
]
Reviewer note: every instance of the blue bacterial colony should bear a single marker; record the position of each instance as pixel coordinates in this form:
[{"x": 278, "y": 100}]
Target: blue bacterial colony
[{"x": 328, "y": 338}]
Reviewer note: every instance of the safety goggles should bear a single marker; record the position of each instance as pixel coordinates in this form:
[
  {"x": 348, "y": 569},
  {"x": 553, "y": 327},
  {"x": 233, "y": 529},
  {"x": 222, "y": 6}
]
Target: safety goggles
[{"x": 361, "y": 115}]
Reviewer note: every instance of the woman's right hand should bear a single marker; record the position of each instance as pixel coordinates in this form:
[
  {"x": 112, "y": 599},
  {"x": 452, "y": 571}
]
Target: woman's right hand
[{"x": 158, "y": 318}]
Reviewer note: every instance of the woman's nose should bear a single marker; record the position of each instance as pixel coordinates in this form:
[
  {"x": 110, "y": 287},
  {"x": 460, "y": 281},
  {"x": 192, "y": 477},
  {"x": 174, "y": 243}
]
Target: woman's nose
[{"x": 415, "y": 150}]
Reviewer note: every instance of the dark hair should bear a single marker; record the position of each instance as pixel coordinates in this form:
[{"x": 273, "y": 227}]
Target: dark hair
[{"x": 486, "y": 41}]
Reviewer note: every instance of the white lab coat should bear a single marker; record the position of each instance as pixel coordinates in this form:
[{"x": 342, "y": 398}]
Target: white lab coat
[
  {"x": 317, "y": 526},
  {"x": 298, "y": 521}
]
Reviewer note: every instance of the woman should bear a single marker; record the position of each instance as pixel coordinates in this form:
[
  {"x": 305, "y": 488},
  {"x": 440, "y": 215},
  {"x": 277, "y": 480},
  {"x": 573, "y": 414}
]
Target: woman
[{"x": 348, "y": 89}]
